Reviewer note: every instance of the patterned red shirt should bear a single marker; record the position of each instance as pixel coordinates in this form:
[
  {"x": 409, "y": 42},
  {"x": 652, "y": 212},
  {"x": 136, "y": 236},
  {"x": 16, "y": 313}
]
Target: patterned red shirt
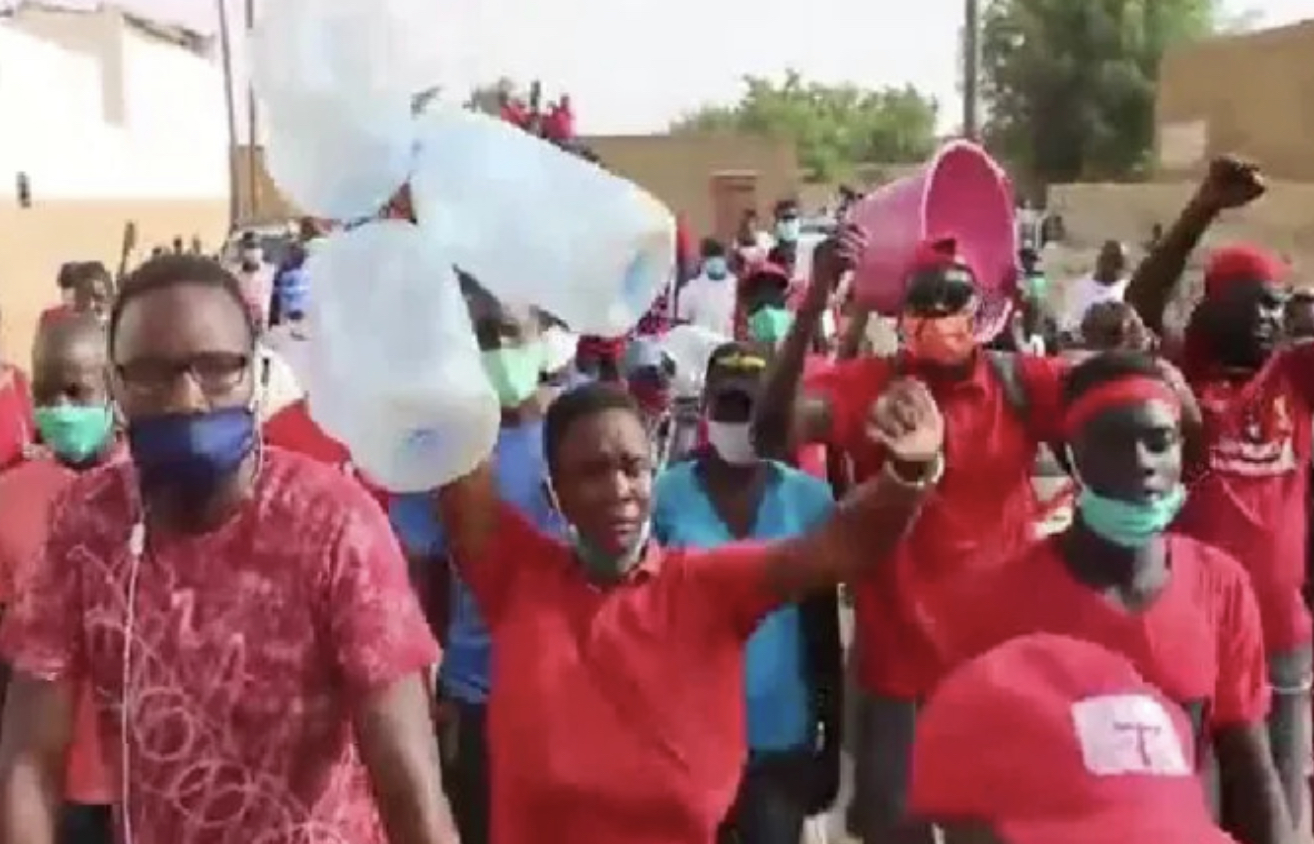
[{"x": 248, "y": 646}]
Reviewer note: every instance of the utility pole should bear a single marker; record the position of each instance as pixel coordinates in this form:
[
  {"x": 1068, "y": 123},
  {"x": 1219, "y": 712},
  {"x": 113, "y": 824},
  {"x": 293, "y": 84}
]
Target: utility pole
[
  {"x": 230, "y": 102},
  {"x": 252, "y": 135},
  {"x": 971, "y": 67}
]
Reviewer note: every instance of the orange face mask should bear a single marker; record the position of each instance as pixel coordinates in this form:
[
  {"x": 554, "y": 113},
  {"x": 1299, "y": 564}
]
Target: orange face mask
[{"x": 944, "y": 340}]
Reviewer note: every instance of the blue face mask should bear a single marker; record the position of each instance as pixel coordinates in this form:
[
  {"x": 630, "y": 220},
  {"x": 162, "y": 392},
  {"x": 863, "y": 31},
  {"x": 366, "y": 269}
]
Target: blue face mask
[
  {"x": 1126, "y": 523},
  {"x": 191, "y": 453},
  {"x": 716, "y": 268},
  {"x": 789, "y": 229}
]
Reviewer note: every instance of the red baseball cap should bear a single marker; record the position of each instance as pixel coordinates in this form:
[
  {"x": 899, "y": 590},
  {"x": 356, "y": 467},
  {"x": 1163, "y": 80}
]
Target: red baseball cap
[{"x": 1049, "y": 739}]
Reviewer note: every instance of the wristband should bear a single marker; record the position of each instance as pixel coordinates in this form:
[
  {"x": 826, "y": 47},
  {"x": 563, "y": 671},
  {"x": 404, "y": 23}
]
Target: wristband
[{"x": 929, "y": 478}]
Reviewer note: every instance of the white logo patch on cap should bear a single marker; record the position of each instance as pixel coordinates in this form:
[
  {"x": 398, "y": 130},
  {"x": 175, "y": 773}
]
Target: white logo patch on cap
[{"x": 1128, "y": 734}]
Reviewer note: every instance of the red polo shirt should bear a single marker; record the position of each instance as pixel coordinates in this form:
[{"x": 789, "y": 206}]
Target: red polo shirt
[
  {"x": 1199, "y": 641},
  {"x": 1251, "y": 497},
  {"x": 982, "y": 514},
  {"x": 588, "y": 744}
]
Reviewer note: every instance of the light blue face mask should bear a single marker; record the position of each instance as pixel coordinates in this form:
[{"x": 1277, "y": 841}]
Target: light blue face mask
[
  {"x": 716, "y": 268},
  {"x": 1127, "y": 523},
  {"x": 789, "y": 229}
]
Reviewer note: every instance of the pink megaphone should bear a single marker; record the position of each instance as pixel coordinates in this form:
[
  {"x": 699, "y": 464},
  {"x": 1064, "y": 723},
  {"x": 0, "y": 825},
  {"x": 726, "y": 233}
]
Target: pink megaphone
[{"x": 962, "y": 194}]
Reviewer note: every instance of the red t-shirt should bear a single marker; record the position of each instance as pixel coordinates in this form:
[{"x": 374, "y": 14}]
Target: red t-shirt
[
  {"x": 17, "y": 425},
  {"x": 811, "y": 457},
  {"x": 585, "y": 737},
  {"x": 984, "y": 510},
  {"x": 248, "y": 646},
  {"x": 1251, "y": 498},
  {"x": 293, "y": 429},
  {"x": 26, "y": 494},
  {"x": 1200, "y": 640},
  {"x": 53, "y": 313}
]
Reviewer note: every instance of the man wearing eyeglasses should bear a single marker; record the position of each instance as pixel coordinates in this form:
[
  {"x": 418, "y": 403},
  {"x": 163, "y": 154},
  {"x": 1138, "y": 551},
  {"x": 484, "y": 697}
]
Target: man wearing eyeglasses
[{"x": 242, "y": 613}]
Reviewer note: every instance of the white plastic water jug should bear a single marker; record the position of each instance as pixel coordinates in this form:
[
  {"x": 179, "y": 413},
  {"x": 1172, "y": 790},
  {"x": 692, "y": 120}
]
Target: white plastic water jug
[
  {"x": 335, "y": 161},
  {"x": 540, "y": 226},
  {"x": 356, "y": 51},
  {"x": 398, "y": 378},
  {"x": 691, "y": 346}
]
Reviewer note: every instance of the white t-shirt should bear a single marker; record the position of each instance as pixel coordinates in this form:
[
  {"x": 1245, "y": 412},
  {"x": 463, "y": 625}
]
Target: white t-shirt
[
  {"x": 710, "y": 304},
  {"x": 1086, "y": 292},
  {"x": 280, "y": 380}
]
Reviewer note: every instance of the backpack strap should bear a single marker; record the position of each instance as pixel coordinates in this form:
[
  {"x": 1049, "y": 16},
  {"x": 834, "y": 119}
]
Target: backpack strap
[
  {"x": 1009, "y": 373},
  {"x": 1050, "y": 459}
]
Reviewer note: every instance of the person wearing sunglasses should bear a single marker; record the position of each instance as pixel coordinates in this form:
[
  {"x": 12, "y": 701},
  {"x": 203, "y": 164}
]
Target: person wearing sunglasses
[
  {"x": 241, "y": 610},
  {"x": 986, "y": 508}
]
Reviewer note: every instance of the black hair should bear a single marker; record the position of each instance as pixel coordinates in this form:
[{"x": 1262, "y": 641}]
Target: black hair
[
  {"x": 172, "y": 270},
  {"x": 784, "y": 205},
  {"x": 68, "y": 272},
  {"x": 73, "y": 274},
  {"x": 579, "y": 403},
  {"x": 1104, "y": 367},
  {"x": 67, "y": 331},
  {"x": 712, "y": 248}
]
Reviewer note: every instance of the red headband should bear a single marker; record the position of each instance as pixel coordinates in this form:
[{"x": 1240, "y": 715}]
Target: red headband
[
  {"x": 1119, "y": 393},
  {"x": 1242, "y": 262}
]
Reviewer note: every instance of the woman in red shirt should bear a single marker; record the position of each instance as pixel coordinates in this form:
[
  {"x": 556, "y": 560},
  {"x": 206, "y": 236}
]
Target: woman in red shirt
[{"x": 616, "y": 711}]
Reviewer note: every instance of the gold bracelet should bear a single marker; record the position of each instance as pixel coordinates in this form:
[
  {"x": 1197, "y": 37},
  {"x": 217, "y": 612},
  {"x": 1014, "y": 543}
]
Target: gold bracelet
[{"x": 928, "y": 479}]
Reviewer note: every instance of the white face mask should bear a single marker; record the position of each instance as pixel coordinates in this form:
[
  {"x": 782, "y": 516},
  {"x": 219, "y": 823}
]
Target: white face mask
[{"x": 733, "y": 441}]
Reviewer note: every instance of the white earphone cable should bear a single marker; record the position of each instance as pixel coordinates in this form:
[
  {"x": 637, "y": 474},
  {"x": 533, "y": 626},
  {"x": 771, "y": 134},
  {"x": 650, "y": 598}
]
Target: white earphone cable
[{"x": 136, "y": 550}]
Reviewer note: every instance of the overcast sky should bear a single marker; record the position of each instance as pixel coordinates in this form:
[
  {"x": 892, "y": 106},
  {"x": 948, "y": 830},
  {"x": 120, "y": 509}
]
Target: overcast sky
[{"x": 633, "y": 65}]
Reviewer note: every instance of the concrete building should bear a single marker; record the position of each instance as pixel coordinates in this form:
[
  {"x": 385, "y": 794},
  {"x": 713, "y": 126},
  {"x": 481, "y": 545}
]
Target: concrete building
[
  {"x": 709, "y": 179},
  {"x": 109, "y": 119},
  {"x": 1250, "y": 94}
]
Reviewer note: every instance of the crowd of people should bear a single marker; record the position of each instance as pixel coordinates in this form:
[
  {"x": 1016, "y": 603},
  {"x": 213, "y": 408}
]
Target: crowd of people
[{"x": 217, "y": 629}]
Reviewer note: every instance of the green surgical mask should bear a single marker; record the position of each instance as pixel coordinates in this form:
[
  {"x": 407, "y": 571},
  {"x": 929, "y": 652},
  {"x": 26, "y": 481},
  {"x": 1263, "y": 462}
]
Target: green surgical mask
[
  {"x": 1033, "y": 286},
  {"x": 514, "y": 372},
  {"x": 770, "y": 325},
  {"x": 1126, "y": 523},
  {"x": 74, "y": 432}
]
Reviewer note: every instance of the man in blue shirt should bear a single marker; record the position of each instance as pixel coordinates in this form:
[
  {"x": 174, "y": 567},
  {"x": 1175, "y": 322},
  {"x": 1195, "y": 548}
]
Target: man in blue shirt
[
  {"x": 728, "y": 493},
  {"x": 514, "y": 358}
]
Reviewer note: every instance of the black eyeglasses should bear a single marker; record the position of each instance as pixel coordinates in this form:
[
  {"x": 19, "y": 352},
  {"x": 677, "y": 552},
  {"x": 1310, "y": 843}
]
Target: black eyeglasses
[{"x": 216, "y": 373}]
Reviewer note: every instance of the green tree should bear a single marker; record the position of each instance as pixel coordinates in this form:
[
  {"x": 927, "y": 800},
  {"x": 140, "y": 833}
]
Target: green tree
[
  {"x": 1068, "y": 87},
  {"x": 834, "y": 127}
]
